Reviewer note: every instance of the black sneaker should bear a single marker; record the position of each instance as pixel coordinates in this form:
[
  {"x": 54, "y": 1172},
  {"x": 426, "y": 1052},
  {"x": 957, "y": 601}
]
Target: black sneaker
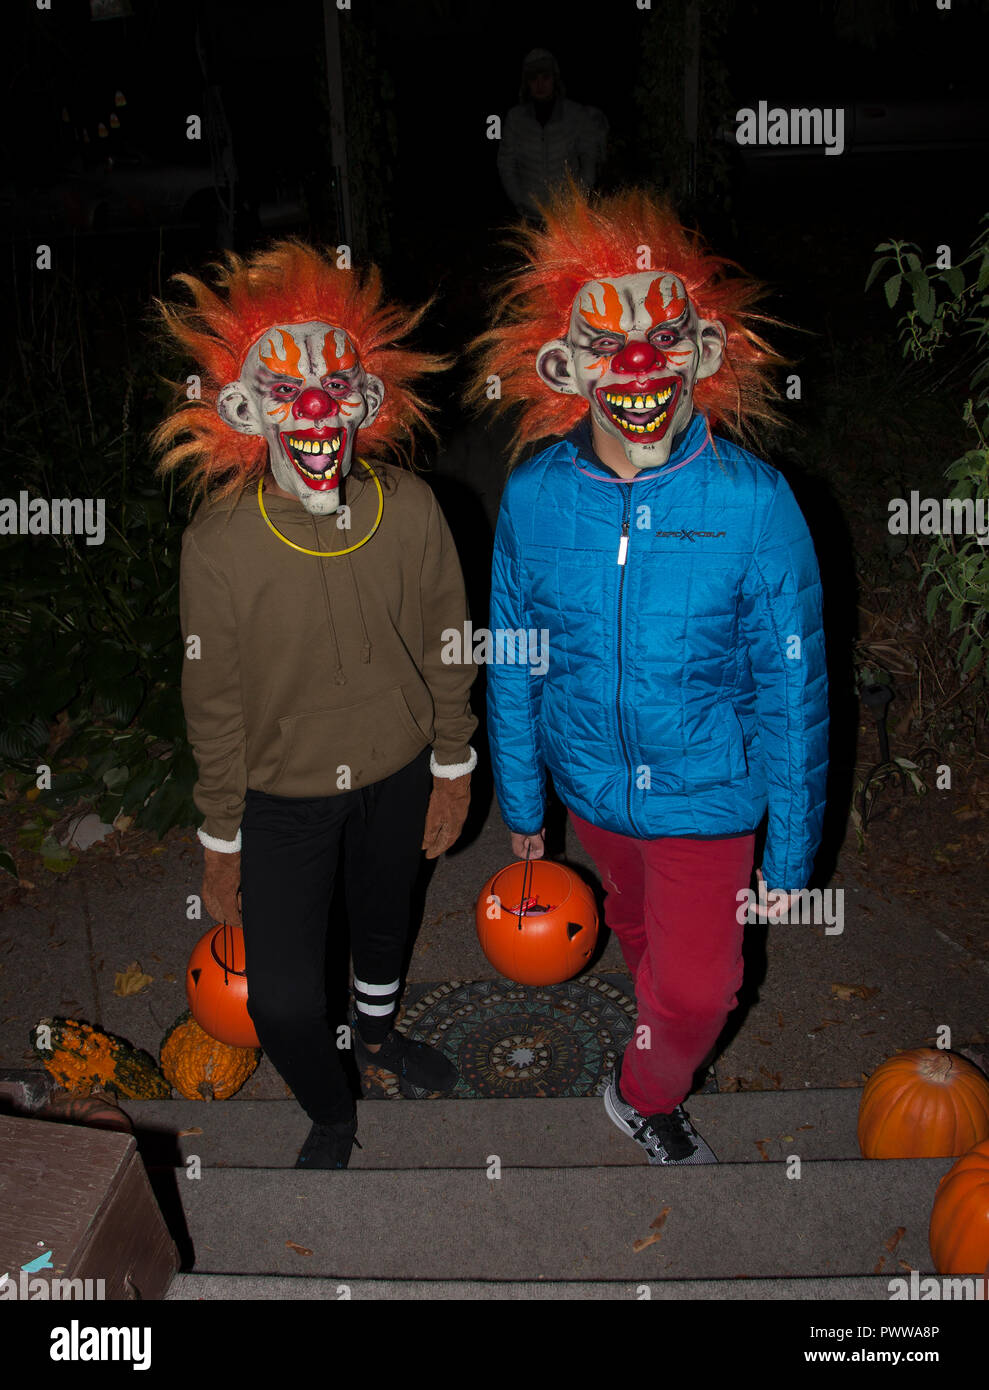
[
  {"x": 667, "y": 1139},
  {"x": 329, "y": 1146},
  {"x": 414, "y": 1063}
]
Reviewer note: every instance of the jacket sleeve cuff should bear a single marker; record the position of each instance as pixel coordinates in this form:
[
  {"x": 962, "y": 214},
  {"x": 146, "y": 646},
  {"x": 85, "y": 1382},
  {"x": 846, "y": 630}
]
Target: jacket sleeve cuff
[
  {"x": 221, "y": 846},
  {"x": 451, "y": 769}
]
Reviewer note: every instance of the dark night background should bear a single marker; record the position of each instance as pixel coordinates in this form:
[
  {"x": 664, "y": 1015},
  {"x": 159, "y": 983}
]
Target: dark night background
[{"x": 420, "y": 79}]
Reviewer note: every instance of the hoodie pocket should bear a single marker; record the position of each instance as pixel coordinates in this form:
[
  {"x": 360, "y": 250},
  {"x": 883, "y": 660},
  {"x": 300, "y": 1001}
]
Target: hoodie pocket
[{"x": 328, "y": 751}]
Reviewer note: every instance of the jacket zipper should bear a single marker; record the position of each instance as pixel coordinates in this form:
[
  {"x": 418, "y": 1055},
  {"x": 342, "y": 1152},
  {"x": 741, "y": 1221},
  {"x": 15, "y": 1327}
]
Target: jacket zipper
[{"x": 622, "y": 562}]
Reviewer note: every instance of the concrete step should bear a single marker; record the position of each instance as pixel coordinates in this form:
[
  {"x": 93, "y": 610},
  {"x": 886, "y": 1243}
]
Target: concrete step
[
  {"x": 724, "y": 1221},
  {"x": 187, "y": 1288},
  {"x": 741, "y": 1127}
]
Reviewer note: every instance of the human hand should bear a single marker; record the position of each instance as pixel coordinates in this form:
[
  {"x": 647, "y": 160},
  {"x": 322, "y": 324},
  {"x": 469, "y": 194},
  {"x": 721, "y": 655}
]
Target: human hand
[
  {"x": 532, "y": 845},
  {"x": 445, "y": 814},
  {"x": 773, "y": 911},
  {"x": 221, "y": 886}
]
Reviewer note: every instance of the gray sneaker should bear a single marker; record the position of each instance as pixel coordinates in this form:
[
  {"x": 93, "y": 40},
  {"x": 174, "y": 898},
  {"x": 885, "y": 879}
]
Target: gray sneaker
[{"x": 667, "y": 1139}]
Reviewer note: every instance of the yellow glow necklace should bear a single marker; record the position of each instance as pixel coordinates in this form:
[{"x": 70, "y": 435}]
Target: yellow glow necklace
[{"x": 349, "y": 548}]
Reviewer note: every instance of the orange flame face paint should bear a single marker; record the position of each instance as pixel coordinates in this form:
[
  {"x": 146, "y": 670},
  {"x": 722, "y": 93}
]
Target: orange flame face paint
[
  {"x": 283, "y": 366},
  {"x": 338, "y": 352},
  {"x": 609, "y": 315},
  {"x": 660, "y": 308}
]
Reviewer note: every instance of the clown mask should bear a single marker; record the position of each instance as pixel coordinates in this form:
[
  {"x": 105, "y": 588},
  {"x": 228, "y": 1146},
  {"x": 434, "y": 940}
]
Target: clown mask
[
  {"x": 303, "y": 388},
  {"x": 634, "y": 349}
]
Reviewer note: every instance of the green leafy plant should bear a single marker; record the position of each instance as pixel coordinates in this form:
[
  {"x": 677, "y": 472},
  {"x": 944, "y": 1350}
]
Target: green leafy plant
[
  {"x": 90, "y": 655},
  {"x": 949, "y": 301}
]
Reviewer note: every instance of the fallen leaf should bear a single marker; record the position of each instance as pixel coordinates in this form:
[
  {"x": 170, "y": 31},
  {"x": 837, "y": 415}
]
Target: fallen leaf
[
  {"x": 895, "y": 1238},
  {"x": 879, "y": 1265},
  {"x": 854, "y": 991},
  {"x": 132, "y": 980},
  {"x": 761, "y": 1146},
  {"x": 656, "y": 1227},
  {"x": 299, "y": 1249},
  {"x": 196, "y": 1129}
]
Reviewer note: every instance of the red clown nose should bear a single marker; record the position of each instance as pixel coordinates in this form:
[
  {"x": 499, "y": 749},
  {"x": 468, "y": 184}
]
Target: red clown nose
[
  {"x": 313, "y": 404},
  {"x": 636, "y": 357}
]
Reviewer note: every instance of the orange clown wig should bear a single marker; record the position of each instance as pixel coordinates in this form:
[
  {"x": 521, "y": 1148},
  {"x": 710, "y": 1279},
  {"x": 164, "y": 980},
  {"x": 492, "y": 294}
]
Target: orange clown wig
[
  {"x": 583, "y": 241},
  {"x": 289, "y": 283}
]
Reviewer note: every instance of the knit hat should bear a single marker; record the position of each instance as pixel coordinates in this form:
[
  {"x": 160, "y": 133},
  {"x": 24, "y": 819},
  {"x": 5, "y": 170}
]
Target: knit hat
[{"x": 539, "y": 60}]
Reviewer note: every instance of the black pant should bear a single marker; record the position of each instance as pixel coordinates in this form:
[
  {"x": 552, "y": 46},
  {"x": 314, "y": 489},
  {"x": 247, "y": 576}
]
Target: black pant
[{"x": 290, "y": 847}]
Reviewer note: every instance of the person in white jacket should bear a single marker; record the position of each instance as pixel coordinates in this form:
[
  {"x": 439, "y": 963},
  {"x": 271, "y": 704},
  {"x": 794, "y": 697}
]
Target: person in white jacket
[{"x": 547, "y": 138}]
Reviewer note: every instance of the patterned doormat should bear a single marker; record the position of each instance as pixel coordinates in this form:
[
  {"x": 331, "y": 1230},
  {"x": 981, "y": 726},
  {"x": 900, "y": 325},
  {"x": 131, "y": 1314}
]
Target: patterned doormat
[{"x": 509, "y": 1040}]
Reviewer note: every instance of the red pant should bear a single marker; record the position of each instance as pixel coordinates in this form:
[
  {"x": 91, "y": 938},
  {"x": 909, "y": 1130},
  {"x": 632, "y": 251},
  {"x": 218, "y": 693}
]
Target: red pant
[{"x": 672, "y": 904}]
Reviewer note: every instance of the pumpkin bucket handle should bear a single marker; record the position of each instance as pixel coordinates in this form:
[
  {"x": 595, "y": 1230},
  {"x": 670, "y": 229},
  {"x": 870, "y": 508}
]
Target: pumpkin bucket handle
[{"x": 228, "y": 970}]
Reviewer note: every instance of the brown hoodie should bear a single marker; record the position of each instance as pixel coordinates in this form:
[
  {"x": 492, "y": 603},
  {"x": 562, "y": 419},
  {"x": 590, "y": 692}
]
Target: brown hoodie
[{"x": 317, "y": 675}]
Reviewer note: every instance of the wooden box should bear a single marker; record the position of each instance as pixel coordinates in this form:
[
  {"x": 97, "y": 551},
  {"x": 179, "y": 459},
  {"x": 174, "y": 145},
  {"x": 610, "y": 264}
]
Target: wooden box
[{"x": 84, "y": 1195}]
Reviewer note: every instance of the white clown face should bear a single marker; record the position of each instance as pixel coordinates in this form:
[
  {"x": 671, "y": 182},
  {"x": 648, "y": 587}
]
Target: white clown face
[
  {"x": 634, "y": 350},
  {"x": 303, "y": 388}
]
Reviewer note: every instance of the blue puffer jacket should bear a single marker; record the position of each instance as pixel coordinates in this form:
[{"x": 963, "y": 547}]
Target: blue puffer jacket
[{"x": 686, "y": 687}]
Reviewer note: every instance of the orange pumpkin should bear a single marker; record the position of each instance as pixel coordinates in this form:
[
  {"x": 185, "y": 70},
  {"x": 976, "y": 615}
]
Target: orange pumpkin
[
  {"x": 959, "y": 1230},
  {"x": 216, "y": 987},
  {"x": 537, "y": 922},
  {"x": 925, "y": 1103},
  {"x": 200, "y": 1067}
]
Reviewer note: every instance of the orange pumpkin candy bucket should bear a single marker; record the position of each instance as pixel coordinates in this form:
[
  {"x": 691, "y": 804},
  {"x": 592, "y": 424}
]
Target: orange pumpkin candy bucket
[
  {"x": 216, "y": 987},
  {"x": 537, "y": 922}
]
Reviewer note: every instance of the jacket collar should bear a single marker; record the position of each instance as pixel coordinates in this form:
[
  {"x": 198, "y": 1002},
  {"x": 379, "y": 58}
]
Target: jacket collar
[{"x": 580, "y": 440}]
